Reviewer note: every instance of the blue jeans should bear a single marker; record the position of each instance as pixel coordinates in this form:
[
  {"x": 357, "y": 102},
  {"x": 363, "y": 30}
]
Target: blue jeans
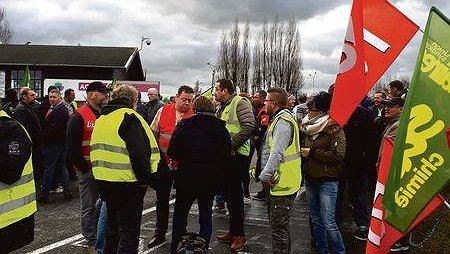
[
  {"x": 322, "y": 207},
  {"x": 101, "y": 228},
  {"x": 55, "y": 164}
]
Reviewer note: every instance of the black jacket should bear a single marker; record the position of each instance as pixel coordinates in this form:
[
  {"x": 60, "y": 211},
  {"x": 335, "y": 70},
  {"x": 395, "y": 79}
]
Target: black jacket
[
  {"x": 360, "y": 134},
  {"x": 15, "y": 150},
  {"x": 202, "y": 146},
  {"x": 55, "y": 124},
  {"x": 29, "y": 119}
]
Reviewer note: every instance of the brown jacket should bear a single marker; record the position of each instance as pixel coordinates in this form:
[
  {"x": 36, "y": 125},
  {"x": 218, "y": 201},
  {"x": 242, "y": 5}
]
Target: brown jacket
[{"x": 326, "y": 157}]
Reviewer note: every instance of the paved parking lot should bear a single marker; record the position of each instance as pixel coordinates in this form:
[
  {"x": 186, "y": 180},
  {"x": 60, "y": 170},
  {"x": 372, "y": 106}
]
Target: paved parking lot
[{"x": 58, "y": 228}]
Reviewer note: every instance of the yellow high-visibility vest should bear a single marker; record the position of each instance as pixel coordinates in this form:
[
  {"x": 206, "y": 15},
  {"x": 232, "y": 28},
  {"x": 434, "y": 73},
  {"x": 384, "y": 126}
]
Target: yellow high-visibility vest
[
  {"x": 109, "y": 155},
  {"x": 18, "y": 200},
  {"x": 229, "y": 115},
  {"x": 74, "y": 104},
  {"x": 289, "y": 173}
]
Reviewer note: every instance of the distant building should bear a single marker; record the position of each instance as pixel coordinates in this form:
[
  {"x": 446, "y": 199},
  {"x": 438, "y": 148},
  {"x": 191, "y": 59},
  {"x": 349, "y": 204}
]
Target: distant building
[{"x": 66, "y": 62}]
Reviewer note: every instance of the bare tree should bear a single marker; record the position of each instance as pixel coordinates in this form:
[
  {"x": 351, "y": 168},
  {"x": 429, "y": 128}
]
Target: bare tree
[
  {"x": 6, "y": 31},
  {"x": 277, "y": 57},
  {"x": 234, "y": 51},
  {"x": 244, "y": 67},
  {"x": 222, "y": 61},
  {"x": 257, "y": 67}
]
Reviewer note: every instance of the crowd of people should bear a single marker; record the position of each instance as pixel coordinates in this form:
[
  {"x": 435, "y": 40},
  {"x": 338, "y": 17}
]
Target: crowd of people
[{"x": 116, "y": 146}]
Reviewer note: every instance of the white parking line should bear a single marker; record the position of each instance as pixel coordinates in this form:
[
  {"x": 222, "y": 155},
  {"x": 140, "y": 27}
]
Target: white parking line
[{"x": 79, "y": 236}]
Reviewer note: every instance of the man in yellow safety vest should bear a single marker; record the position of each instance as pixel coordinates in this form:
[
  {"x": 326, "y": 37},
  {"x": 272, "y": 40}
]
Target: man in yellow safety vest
[
  {"x": 237, "y": 112},
  {"x": 123, "y": 154},
  {"x": 17, "y": 190},
  {"x": 280, "y": 160}
]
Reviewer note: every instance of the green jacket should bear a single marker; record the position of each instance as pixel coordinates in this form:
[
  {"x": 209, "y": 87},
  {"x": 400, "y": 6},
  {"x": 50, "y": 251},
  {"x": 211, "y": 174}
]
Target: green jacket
[{"x": 326, "y": 157}]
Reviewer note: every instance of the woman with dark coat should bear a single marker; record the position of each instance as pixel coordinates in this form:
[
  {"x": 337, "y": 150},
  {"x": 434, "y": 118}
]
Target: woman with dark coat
[
  {"x": 201, "y": 145},
  {"x": 323, "y": 151}
]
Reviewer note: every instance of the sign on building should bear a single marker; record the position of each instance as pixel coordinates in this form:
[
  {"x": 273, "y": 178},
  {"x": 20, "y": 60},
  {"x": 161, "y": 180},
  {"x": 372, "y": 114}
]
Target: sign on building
[{"x": 79, "y": 86}]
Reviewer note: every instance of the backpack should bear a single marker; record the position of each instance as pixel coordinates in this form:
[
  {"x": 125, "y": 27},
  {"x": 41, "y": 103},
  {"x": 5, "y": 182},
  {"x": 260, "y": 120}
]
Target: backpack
[{"x": 192, "y": 243}]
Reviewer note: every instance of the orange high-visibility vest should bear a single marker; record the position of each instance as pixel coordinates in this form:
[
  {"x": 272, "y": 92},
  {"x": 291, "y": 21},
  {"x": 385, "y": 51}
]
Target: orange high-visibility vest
[
  {"x": 167, "y": 123},
  {"x": 89, "y": 123}
]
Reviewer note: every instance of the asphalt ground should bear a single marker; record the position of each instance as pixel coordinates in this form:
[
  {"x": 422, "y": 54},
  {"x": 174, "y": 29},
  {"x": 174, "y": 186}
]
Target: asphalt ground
[{"x": 57, "y": 227}]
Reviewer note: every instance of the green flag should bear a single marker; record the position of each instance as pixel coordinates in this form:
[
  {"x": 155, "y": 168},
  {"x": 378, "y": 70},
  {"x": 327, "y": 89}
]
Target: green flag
[
  {"x": 114, "y": 83},
  {"x": 420, "y": 166},
  {"x": 26, "y": 77}
]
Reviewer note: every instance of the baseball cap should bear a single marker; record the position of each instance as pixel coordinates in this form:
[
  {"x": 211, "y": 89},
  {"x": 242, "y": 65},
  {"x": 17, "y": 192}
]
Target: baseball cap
[
  {"x": 394, "y": 101},
  {"x": 98, "y": 86}
]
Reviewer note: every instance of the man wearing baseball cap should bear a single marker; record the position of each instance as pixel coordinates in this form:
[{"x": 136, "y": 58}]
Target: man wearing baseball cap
[{"x": 79, "y": 131}]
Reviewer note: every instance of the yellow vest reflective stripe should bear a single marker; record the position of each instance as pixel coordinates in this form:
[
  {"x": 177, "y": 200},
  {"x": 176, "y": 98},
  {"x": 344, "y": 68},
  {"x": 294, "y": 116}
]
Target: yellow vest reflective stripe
[
  {"x": 289, "y": 172},
  {"x": 18, "y": 200},
  {"x": 109, "y": 155},
  {"x": 229, "y": 115},
  {"x": 74, "y": 104}
]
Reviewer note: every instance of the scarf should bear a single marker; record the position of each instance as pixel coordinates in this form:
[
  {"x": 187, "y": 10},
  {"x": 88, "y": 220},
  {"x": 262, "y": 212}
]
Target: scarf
[{"x": 312, "y": 127}]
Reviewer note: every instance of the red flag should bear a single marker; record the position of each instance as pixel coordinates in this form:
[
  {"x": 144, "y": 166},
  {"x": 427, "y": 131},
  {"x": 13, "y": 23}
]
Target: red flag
[
  {"x": 371, "y": 45},
  {"x": 382, "y": 235}
]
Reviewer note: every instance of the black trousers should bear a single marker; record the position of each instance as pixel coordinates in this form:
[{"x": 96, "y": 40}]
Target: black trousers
[
  {"x": 124, "y": 220},
  {"x": 233, "y": 195},
  {"x": 163, "y": 186},
  {"x": 185, "y": 199}
]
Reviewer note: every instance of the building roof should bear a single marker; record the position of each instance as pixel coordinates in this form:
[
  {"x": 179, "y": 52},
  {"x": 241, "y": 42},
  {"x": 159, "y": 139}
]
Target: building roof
[{"x": 54, "y": 55}]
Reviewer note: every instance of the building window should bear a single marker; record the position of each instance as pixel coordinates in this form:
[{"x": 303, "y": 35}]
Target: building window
[{"x": 35, "y": 82}]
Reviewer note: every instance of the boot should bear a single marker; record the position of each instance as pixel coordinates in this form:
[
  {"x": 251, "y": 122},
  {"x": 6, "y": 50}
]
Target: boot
[
  {"x": 225, "y": 238},
  {"x": 238, "y": 243}
]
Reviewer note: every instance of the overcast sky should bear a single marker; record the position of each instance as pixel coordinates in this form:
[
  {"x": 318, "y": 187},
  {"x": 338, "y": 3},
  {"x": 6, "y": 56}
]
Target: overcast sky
[{"x": 185, "y": 33}]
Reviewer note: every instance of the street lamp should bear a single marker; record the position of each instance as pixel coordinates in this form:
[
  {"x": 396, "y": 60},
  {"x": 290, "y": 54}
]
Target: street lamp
[
  {"x": 313, "y": 75},
  {"x": 213, "y": 73},
  {"x": 146, "y": 40}
]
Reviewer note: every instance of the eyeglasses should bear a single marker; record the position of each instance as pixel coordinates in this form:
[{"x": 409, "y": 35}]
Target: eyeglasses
[{"x": 268, "y": 100}]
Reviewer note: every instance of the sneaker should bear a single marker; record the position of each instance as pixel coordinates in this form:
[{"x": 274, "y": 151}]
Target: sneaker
[
  {"x": 225, "y": 238},
  {"x": 238, "y": 244},
  {"x": 362, "y": 234},
  {"x": 399, "y": 247},
  {"x": 259, "y": 196},
  {"x": 247, "y": 201}
]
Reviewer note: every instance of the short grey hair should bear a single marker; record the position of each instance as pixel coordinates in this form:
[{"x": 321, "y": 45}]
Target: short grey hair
[{"x": 124, "y": 94}]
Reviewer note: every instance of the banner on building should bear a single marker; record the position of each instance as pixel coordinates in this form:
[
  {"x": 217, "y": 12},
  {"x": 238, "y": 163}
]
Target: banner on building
[
  {"x": 371, "y": 45},
  {"x": 79, "y": 86},
  {"x": 382, "y": 235},
  {"x": 420, "y": 166}
]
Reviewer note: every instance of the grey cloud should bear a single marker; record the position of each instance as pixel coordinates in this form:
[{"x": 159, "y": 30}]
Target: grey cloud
[{"x": 220, "y": 14}]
